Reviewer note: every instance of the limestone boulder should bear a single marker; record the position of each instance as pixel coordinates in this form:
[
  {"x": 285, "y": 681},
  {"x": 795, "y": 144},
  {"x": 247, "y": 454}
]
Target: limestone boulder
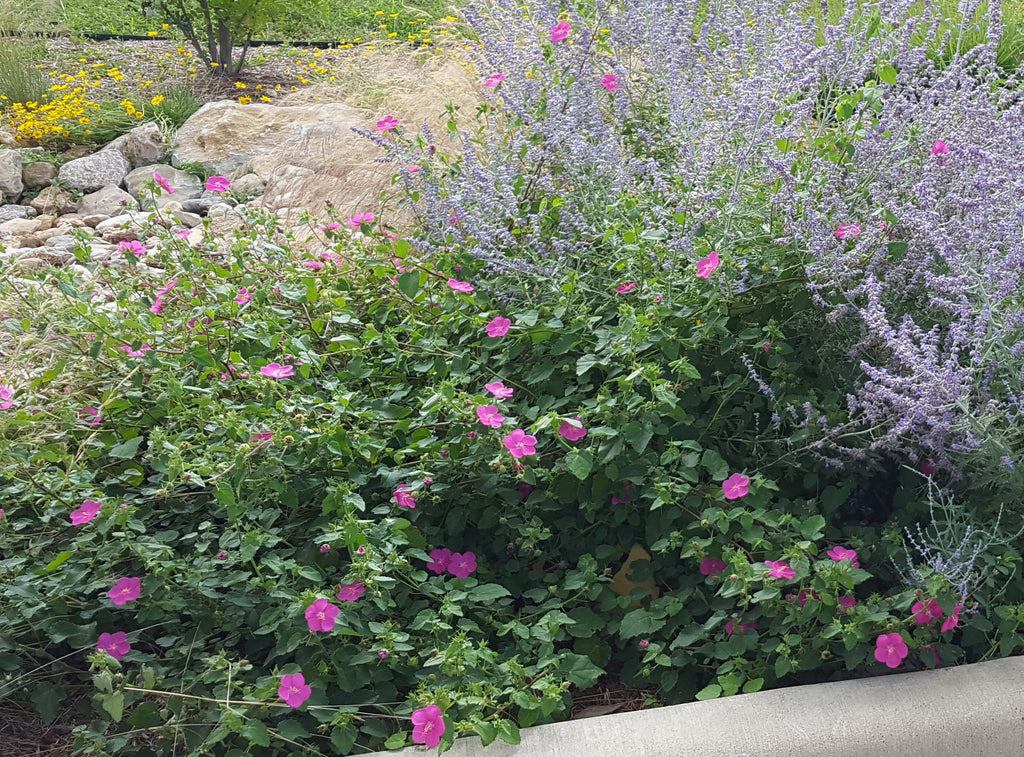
[
  {"x": 110, "y": 201},
  {"x": 142, "y": 146},
  {"x": 54, "y": 200},
  {"x": 11, "y": 185},
  {"x": 8, "y": 212},
  {"x": 101, "y": 169},
  {"x": 20, "y": 226},
  {"x": 305, "y": 153},
  {"x": 38, "y": 174},
  {"x": 185, "y": 185}
]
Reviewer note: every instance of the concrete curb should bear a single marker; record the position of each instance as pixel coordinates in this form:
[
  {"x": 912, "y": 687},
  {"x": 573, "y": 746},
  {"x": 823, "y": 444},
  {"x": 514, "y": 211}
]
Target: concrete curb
[{"x": 975, "y": 710}]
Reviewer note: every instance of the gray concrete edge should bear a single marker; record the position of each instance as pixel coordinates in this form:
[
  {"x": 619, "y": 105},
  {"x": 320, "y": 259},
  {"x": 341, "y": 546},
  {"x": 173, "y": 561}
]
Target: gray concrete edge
[{"x": 975, "y": 710}]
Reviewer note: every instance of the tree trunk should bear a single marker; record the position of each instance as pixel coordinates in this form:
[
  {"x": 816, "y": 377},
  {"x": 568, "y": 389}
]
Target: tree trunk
[{"x": 224, "y": 39}]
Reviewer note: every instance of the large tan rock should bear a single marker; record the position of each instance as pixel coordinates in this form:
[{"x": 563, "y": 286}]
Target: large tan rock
[
  {"x": 303, "y": 145},
  {"x": 306, "y": 153},
  {"x": 54, "y": 200},
  {"x": 142, "y": 146},
  {"x": 38, "y": 174}
]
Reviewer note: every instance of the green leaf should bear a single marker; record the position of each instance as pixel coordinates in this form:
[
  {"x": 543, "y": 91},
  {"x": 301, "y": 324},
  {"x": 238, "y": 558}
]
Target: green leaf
[
  {"x": 887, "y": 74},
  {"x": 114, "y": 705},
  {"x": 54, "y": 563},
  {"x": 409, "y": 283},
  {"x": 488, "y": 592},
  {"x": 47, "y": 698},
  {"x": 292, "y": 729},
  {"x": 813, "y": 527},
  {"x": 507, "y": 731},
  {"x": 487, "y": 732},
  {"x": 754, "y": 684},
  {"x": 711, "y": 691},
  {"x": 587, "y": 362},
  {"x": 765, "y": 594},
  {"x": 639, "y": 623},
  {"x": 126, "y": 450},
  {"x": 146, "y": 715},
  {"x": 343, "y": 737},
  {"x": 395, "y": 741},
  {"x": 580, "y": 463},
  {"x": 256, "y": 732}
]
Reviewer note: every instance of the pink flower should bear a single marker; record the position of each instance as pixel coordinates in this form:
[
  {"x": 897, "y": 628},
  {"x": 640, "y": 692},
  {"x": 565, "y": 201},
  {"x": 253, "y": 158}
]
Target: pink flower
[
  {"x": 927, "y": 467},
  {"x": 736, "y": 486},
  {"x": 90, "y": 416},
  {"x": 460, "y": 286},
  {"x": 524, "y": 490},
  {"x": 847, "y": 231},
  {"x": 610, "y": 82},
  {"x": 114, "y": 644},
  {"x": 731, "y": 627},
  {"x": 276, "y": 370},
  {"x": 157, "y": 308},
  {"x": 428, "y": 726},
  {"x": 217, "y": 184},
  {"x": 560, "y": 31},
  {"x": 414, "y": 169},
  {"x": 140, "y": 352},
  {"x": 926, "y": 612},
  {"x": 163, "y": 183},
  {"x": 320, "y": 616},
  {"x": 222, "y": 555},
  {"x": 624, "y": 500},
  {"x": 135, "y": 247},
  {"x": 495, "y": 80},
  {"x": 627, "y": 288},
  {"x": 498, "y": 327},
  {"x": 167, "y": 287},
  {"x": 262, "y": 436},
  {"x": 890, "y": 649},
  {"x": 706, "y": 266},
  {"x": 940, "y": 148},
  {"x": 847, "y": 603},
  {"x": 294, "y": 690},
  {"x": 403, "y": 498},
  {"x": 382, "y": 654},
  {"x": 499, "y": 390},
  {"x": 780, "y": 569},
  {"x": 709, "y": 566},
  {"x": 358, "y": 220},
  {"x": 86, "y": 512},
  {"x": 5, "y": 397},
  {"x": 572, "y": 432},
  {"x": 490, "y": 416},
  {"x": 125, "y": 590},
  {"x": 842, "y": 553},
  {"x": 439, "y": 559},
  {"x": 953, "y": 620},
  {"x": 313, "y": 265},
  {"x": 244, "y": 296},
  {"x": 804, "y": 594},
  {"x": 461, "y": 565},
  {"x": 351, "y": 592},
  {"x": 182, "y": 233},
  {"x": 520, "y": 444},
  {"x": 388, "y": 123},
  {"x": 644, "y": 643}
]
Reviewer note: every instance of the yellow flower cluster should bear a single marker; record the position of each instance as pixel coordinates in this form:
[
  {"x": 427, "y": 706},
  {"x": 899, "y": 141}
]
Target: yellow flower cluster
[
  {"x": 69, "y": 104},
  {"x": 47, "y": 121}
]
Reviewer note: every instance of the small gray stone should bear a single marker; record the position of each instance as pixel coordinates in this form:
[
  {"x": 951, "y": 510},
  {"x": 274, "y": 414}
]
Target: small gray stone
[
  {"x": 38, "y": 174},
  {"x": 95, "y": 220},
  {"x": 101, "y": 169},
  {"x": 201, "y": 205},
  {"x": 108, "y": 201},
  {"x": 62, "y": 241},
  {"x": 191, "y": 220},
  {"x": 10, "y": 174},
  {"x": 8, "y": 212}
]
